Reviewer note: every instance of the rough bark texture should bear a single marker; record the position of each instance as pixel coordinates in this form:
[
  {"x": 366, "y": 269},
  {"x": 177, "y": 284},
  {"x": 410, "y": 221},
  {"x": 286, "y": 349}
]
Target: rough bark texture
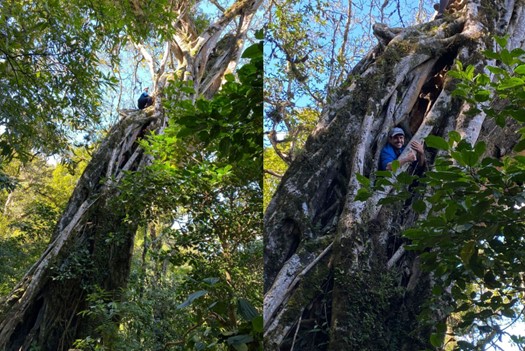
[
  {"x": 336, "y": 274},
  {"x": 93, "y": 241},
  {"x": 91, "y": 246}
]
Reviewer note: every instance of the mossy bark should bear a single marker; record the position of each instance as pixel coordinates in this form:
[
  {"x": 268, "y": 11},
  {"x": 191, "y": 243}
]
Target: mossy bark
[
  {"x": 373, "y": 290},
  {"x": 91, "y": 248},
  {"x": 92, "y": 245}
]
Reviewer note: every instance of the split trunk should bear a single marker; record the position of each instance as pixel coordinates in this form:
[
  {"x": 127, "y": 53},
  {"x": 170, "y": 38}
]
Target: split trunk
[
  {"x": 93, "y": 241},
  {"x": 336, "y": 274}
]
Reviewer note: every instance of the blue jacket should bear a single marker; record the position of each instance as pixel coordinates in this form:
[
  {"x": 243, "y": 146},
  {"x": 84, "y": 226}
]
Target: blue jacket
[{"x": 388, "y": 154}]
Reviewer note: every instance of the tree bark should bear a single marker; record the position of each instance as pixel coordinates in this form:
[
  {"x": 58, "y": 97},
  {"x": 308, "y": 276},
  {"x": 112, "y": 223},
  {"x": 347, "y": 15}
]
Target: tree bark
[
  {"x": 337, "y": 276},
  {"x": 92, "y": 244}
]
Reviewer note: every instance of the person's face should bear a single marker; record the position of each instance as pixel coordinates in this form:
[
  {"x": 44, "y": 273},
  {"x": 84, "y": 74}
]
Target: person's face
[{"x": 397, "y": 141}]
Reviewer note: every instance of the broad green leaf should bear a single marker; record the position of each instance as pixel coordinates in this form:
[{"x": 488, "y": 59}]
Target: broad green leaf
[
  {"x": 414, "y": 233},
  {"x": 497, "y": 70},
  {"x": 253, "y": 51},
  {"x": 436, "y": 142},
  {"x": 511, "y": 82},
  {"x": 436, "y": 339},
  {"x": 239, "y": 339},
  {"x": 520, "y": 146},
  {"x": 491, "y": 55},
  {"x": 362, "y": 195},
  {"x": 454, "y": 136},
  {"x": 482, "y": 95},
  {"x": 364, "y": 181},
  {"x": 469, "y": 72},
  {"x": 257, "y": 324},
  {"x": 518, "y": 115},
  {"x": 419, "y": 206},
  {"x": 482, "y": 79},
  {"x": 395, "y": 165},
  {"x": 192, "y": 297},
  {"x": 517, "y": 52},
  {"x": 520, "y": 69},
  {"x": 502, "y": 41},
  {"x": 246, "y": 310},
  {"x": 506, "y": 57}
]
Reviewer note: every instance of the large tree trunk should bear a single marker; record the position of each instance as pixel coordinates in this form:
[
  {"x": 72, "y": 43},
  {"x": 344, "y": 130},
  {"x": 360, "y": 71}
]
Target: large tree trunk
[
  {"x": 93, "y": 241},
  {"x": 91, "y": 246},
  {"x": 336, "y": 273}
]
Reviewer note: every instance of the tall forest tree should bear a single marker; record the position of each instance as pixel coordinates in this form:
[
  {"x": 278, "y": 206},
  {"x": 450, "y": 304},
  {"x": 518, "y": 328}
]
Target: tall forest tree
[
  {"x": 92, "y": 243},
  {"x": 339, "y": 274}
]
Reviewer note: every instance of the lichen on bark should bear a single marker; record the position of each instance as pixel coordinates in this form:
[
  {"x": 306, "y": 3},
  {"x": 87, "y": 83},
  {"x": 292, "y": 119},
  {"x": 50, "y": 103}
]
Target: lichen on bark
[{"x": 376, "y": 289}]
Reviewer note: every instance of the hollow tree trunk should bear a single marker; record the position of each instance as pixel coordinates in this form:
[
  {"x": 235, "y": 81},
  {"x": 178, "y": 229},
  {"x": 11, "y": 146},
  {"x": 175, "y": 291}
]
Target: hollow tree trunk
[
  {"x": 91, "y": 246},
  {"x": 336, "y": 274},
  {"x": 93, "y": 241}
]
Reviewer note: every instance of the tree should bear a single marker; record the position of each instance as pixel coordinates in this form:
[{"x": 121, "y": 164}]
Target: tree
[
  {"x": 91, "y": 245},
  {"x": 30, "y": 213},
  {"x": 338, "y": 274},
  {"x": 312, "y": 46}
]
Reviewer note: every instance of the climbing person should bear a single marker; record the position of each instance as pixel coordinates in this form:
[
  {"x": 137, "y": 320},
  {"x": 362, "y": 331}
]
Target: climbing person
[
  {"x": 394, "y": 148},
  {"x": 440, "y": 8},
  {"x": 145, "y": 100}
]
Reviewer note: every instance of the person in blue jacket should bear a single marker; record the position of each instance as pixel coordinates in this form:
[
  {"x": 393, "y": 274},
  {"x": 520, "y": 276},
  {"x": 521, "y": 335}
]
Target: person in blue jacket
[
  {"x": 394, "y": 148},
  {"x": 145, "y": 100}
]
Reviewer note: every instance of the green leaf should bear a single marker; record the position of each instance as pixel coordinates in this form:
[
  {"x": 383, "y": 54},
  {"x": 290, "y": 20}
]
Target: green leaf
[
  {"x": 395, "y": 165},
  {"x": 419, "y": 206},
  {"x": 253, "y": 51},
  {"x": 482, "y": 79},
  {"x": 364, "y": 181},
  {"x": 520, "y": 146},
  {"x": 259, "y": 34},
  {"x": 239, "y": 339},
  {"x": 482, "y": 95},
  {"x": 246, "y": 310},
  {"x": 520, "y": 69},
  {"x": 500, "y": 120},
  {"x": 518, "y": 115},
  {"x": 469, "y": 71},
  {"x": 414, "y": 233},
  {"x": 502, "y": 41},
  {"x": 506, "y": 57},
  {"x": 363, "y": 195},
  {"x": 467, "y": 251},
  {"x": 257, "y": 324},
  {"x": 491, "y": 55},
  {"x": 436, "y": 339},
  {"x": 436, "y": 142},
  {"x": 454, "y": 136},
  {"x": 509, "y": 83},
  {"x": 192, "y": 297}
]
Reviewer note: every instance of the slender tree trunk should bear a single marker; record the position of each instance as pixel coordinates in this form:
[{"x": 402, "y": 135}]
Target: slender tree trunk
[
  {"x": 93, "y": 241},
  {"x": 337, "y": 276}
]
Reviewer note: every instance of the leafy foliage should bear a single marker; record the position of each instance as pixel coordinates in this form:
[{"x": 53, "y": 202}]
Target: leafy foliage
[
  {"x": 472, "y": 238},
  {"x": 30, "y": 213},
  {"x": 196, "y": 274}
]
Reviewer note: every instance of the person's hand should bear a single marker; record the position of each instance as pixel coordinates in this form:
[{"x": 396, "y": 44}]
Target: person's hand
[
  {"x": 409, "y": 157},
  {"x": 417, "y": 147}
]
